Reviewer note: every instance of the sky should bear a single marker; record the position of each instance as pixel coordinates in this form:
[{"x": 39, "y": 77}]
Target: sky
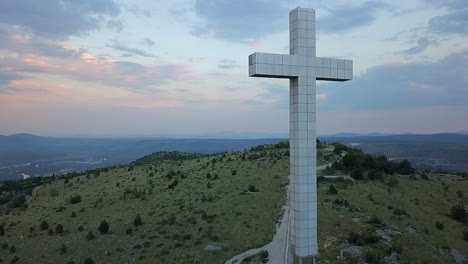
[{"x": 153, "y": 68}]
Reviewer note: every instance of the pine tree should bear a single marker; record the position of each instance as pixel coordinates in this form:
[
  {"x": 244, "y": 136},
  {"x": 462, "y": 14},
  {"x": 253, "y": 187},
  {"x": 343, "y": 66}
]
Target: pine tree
[
  {"x": 137, "y": 221},
  {"x": 103, "y": 227},
  {"x": 59, "y": 229}
]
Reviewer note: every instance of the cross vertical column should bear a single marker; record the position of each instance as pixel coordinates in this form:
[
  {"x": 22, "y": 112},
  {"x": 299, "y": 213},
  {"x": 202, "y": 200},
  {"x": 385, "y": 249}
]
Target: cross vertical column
[{"x": 303, "y": 196}]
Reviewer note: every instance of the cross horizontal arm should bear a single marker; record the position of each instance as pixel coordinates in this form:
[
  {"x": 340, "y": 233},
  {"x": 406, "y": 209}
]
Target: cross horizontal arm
[{"x": 290, "y": 66}]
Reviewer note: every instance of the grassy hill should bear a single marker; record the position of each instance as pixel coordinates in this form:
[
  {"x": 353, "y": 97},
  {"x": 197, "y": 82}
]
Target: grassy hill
[{"x": 199, "y": 208}]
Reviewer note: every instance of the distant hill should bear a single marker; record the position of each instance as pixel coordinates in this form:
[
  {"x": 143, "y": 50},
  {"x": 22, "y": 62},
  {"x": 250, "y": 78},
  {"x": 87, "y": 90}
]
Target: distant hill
[
  {"x": 36, "y": 155},
  {"x": 446, "y": 151}
]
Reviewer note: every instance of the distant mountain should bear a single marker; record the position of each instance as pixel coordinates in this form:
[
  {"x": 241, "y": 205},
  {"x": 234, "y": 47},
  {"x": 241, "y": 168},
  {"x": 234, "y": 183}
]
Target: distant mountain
[{"x": 343, "y": 135}]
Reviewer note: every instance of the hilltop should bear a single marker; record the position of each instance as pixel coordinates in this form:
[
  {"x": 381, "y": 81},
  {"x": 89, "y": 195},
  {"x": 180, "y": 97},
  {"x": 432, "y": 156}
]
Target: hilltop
[{"x": 172, "y": 207}]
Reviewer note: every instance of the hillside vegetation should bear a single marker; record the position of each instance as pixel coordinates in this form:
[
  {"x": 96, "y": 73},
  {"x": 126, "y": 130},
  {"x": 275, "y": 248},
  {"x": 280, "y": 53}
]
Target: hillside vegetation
[{"x": 172, "y": 207}]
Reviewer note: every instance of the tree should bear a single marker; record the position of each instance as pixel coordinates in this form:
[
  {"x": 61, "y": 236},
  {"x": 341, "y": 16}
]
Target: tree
[
  {"x": 458, "y": 212},
  {"x": 44, "y": 225},
  {"x": 439, "y": 225},
  {"x": 59, "y": 229},
  {"x": 465, "y": 235},
  {"x": 137, "y": 221},
  {"x": 332, "y": 189},
  {"x": 2, "y": 230},
  {"x": 103, "y": 227},
  {"x": 357, "y": 174}
]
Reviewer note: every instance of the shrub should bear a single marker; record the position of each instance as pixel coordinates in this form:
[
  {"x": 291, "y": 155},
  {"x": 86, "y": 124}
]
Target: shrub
[
  {"x": 62, "y": 249},
  {"x": 73, "y": 214},
  {"x": 137, "y": 221},
  {"x": 129, "y": 231},
  {"x": 264, "y": 256},
  {"x": 59, "y": 229},
  {"x": 12, "y": 250},
  {"x": 2, "y": 230},
  {"x": 424, "y": 176},
  {"x": 357, "y": 174},
  {"x": 393, "y": 182},
  {"x": 74, "y": 199},
  {"x": 103, "y": 227},
  {"x": 458, "y": 212},
  {"x": 50, "y": 232},
  {"x": 80, "y": 228},
  {"x": 89, "y": 261},
  {"x": 459, "y": 194},
  {"x": 173, "y": 184},
  {"x": 332, "y": 189},
  {"x": 439, "y": 225},
  {"x": 465, "y": 235},
  {"x": 44, "y": 225},
  {"x": 375, "y": 220},
  {"x": 252, "y": 188},
  {"x": 130, "y": 168},
  {"x": 233, "y": 172},
  {"x": 90, "y": 236}
]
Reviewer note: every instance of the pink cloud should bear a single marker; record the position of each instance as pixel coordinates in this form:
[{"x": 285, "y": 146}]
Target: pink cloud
[{"x": 22, "y": 55}]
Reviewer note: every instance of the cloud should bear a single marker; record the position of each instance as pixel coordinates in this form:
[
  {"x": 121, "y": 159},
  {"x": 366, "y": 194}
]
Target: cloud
[
  {"x": 57, "y": 19},
  {"x": 348, "y": 17},
  {"x": 227, "y": 64},
  {"x": 453, "y": 22},
  {"x": 148, "y": 42},
  {"x": 403, "y": 86},
  {"x": 240, "y": 20},
  {"x": 421, "y": 44},
  {"x": 88, "y": 68},
  {"x": 128, "y": 50},
  {"x": 6, "y": 77}
]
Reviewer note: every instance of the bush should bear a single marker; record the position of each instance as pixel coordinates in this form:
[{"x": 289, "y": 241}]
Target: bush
[
  {"x": 357, "y": 174},
  {"x": 89, "y": 261},
  {"x": 375, "y": 220},
  {"x": 233, "y": 172},
  {"x": 439, "y": 225},
  {"x": 137, "y": 221},
  {"x": 332, "y": 189},
  {"x": 74, "y": 199},
  {"x": 103, "y": 227},
  {"x": 458, "y": 212},
  {"x": 173, "y": 184},
  {"x": 90, "y": 236},
  {"x": 73, "y": 214},
  {"x": 129, "y": 231},
  {"x": 424, "y": 176},
  {"x": 264, "y": 256},
  {"x": 252, "y": 188},
  {"x": 465, "y": 235},
  {"x": 2, "y": 230},
  {"x": 43, "y": 226},
  {"x": 459, "y": 194},
  {"x": 59, "y": 229},
  {"x": 62, "y": 249}
]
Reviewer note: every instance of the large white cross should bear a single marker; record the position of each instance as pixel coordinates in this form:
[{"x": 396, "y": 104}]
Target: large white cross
[{"x": 302, "y": 68}]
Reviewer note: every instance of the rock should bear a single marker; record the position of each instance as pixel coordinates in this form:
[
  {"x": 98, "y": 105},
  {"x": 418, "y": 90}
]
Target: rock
[
  {"x": 212, "y": 248},
  {"x": 387, "y": 234},
  {"x": 411, "y": 229},
  {"x": 353, "y": 252},
  {"x": 458, "y": 256},
  {"x": 355, "y": 220},
  {"x": 393, "y": 258}
]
